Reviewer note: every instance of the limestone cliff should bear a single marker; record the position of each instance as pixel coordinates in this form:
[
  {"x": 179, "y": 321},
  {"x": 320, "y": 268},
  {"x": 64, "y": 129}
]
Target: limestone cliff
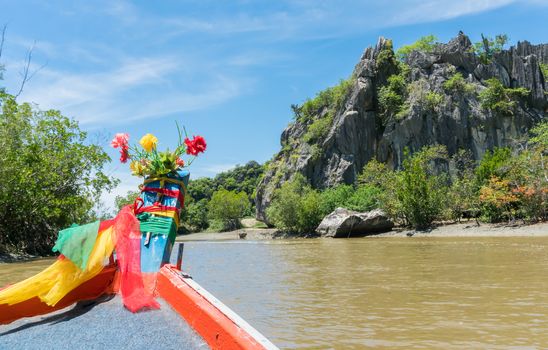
[{"x": 358, "y": 129}]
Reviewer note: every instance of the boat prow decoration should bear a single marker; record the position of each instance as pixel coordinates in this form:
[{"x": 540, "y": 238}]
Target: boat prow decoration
[{"x": 142, "y": 237}]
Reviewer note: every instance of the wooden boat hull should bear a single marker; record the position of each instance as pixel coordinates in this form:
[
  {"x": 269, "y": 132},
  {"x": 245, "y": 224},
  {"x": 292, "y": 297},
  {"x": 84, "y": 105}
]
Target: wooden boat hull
[{"x": 219, "y": 326}]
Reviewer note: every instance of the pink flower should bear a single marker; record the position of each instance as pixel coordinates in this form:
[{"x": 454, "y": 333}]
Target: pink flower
[
  {"x": 120, "y": 140},
  {"x": 180, "y": 162}
]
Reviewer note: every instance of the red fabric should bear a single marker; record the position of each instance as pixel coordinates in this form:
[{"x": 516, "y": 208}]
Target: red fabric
[
  {"x": 128, "y": 252},
  {"x": 166, "y": 192}
]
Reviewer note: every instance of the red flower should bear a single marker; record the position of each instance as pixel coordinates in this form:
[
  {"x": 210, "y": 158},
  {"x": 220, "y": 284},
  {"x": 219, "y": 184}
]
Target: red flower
[
  {"x": 196, "y": 145},
  {"x": 120, "y": 140},
  {"x": 124, "y": 155},
  {"x": 180, "y": 162}
]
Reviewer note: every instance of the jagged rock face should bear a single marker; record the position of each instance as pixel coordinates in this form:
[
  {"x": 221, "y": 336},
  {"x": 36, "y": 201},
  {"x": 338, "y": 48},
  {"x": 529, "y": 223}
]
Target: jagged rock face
[{"x": 459, "y": 122}]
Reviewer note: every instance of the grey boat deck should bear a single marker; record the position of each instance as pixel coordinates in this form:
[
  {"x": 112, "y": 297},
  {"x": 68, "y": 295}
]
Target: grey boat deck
[{"x": 102, "y": 324}]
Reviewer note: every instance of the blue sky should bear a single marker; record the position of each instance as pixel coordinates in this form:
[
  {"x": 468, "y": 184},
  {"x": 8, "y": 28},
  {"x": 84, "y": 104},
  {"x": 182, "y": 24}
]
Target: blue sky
[{"x": 227, "y": 70}]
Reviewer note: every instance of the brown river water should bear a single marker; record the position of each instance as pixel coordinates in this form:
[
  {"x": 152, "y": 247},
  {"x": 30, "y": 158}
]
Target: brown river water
[{"x": 391, "y": 293}]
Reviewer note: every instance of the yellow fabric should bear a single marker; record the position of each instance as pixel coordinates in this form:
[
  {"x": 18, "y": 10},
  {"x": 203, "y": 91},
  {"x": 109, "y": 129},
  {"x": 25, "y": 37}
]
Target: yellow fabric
[
  {"x": 56, "y": 281},
  {"x": 168, "y": 213}
]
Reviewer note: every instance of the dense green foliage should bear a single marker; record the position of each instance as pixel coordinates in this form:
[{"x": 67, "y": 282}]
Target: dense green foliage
[
  {"x": 424, "y": 44},
  {"x": 386, "y": 57},
  {"x": 242, "y": 179},
  {"x": 489, "y": 46},
  {"x": 413, "y": 194},
  {"x": 51, "y": 176},
  {"x": 318, "y": 129},
  {"x": 318, "y": 112},
  {"x": 501, "y": 99},
  {"x": 503, "y": 186},
  {"x": 518, "y": 185},
  {"x": 493, "y": 164},
  {"x": 297, "y": 208},
  {"x": 419, "y": 190},
  {"x": 359, "y": 198},
  {"x": 331, "y": 98},
  {"x": 286, "y": 209},
  {"x": 228, "y": 207},
  {"x": 392, "y": 96}
]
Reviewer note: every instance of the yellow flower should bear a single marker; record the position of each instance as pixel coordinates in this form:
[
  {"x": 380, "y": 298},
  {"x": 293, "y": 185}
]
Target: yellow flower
[
  {"x": 136, "y": 168},
  {"x": 148, "y": 142}
]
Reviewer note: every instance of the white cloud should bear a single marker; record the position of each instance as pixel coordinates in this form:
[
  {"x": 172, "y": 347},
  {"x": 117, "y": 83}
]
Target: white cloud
[
  {"x": 312, "y": 19},
  {"x": 116, "y": 96},
  {"x": 216, "y": 168},
  {"x": 431, "y": 11}
]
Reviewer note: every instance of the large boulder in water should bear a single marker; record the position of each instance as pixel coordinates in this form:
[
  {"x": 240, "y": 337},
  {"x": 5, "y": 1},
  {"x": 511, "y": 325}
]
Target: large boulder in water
[{"x": 343, "y": 223}]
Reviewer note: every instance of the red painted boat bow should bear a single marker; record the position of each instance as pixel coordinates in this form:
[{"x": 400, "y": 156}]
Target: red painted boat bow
[{"x": 218, "y": 325}]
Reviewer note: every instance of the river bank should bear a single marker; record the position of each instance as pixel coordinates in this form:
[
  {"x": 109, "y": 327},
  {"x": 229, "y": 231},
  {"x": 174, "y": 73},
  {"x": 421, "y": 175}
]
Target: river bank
[{"x": 467, "y": 229}]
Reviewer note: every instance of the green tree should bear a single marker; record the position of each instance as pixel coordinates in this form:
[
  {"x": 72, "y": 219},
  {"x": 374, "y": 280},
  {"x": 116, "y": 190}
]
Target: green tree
[
  {"x": 492, "y": 164},
  {"x": 462, "y": 198},
  {"x": 196, "y": 215},
  {"x": 376, "y": 175},
  {"x": 228, "y": 207},
  {"x": 359, "y": 198},
  {"x": 309, "y": 214},
  {"x": 419, "y": 190},
  {"x": 331, "y": 98},
  {"x": 392, "y": 96},
  {"x": 334, "y": 197},
  {"x": 364, "y": 198},
  {"x": 51, "y": 175},
  {"x": 296, "y": 207},
  {"x": 487, "y": 47},
  {"x": 284, "y": 208},
  {"x": 544, "y": 70},
  {"x": 128, "y": 198}
]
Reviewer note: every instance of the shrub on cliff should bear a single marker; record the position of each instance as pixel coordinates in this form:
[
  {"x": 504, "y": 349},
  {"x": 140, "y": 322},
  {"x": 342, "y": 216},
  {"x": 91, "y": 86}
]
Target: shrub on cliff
[
  {"x": 489, "y": 46},
  {"x": 457, "y": 84},
  {"x": 425, "y": 44},
  {"x": 500, "y": 99},
  {"x": 392, "y": 96},
  {"x": 331, "y": 98}
]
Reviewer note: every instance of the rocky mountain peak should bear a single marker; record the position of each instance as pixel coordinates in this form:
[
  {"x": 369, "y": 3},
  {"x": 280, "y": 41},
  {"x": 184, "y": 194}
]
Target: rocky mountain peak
[{"x": 395, "y": 103}]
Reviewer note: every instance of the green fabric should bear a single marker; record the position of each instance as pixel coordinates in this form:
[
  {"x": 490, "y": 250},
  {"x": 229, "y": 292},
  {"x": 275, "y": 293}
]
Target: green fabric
[
  {"x": 76, "y": 243},
  {"x": 157, "y": 225}
]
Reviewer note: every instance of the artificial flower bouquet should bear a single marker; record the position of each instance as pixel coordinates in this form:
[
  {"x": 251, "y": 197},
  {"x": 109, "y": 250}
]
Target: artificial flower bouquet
[
  {"x": 162, "y": 196},
  {"x": 147, "y": 161}
]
